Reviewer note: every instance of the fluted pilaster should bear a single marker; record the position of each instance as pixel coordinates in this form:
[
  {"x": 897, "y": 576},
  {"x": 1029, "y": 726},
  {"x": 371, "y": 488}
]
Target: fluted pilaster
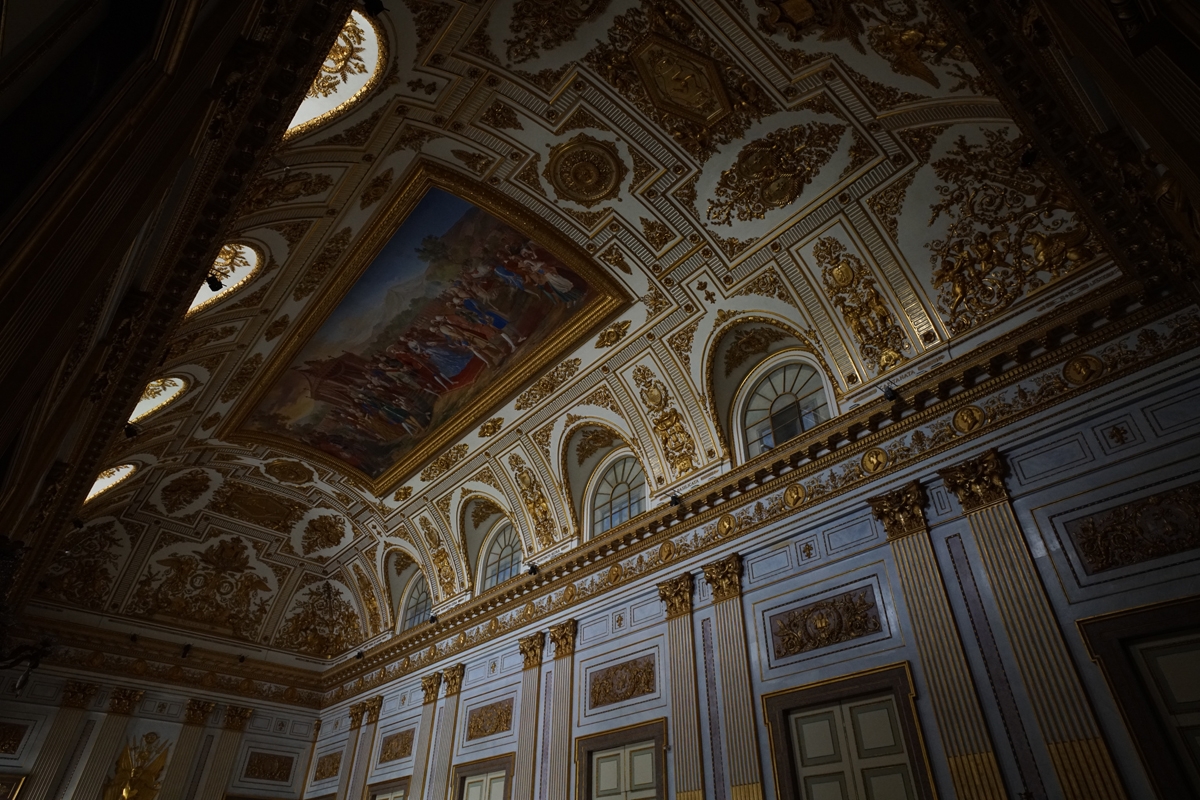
[
  {"x": 1080, "y": 756},
  {"x": 733, "y": 665},
  {"x": 968, "y": 747},
  {"x": 685, "y": 714},
  {"x": 532, "y": 648}
]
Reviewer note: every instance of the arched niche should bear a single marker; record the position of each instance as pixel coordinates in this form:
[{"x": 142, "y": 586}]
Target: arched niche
[
  {"x": 588, "y": 449},
  {"x": 479, "y": 516},
  {"x": 734, "y": 359}
]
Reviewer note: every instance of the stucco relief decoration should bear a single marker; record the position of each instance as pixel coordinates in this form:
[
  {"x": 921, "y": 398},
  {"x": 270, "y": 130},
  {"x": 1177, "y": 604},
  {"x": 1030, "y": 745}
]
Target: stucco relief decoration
[
  {"x": 322, "y": 533},
  {"x": 847, "y": 616},
  {"x": 345, "y": 59},
  {"x": 286, "y": 188},
  {"x": 543, "y": 25},
  {"x": 269, "y": 767},
  {"x": 677, "y": 595},
  {"x": 771, "y": 172},
  {"x": 668, "y": 423},
  {"x": 139, "y": 768},
  {"x": 1157, "y": 526},
  {"x": 288, "y": 471},
  {"x": 621, "y": 682},
  {"x": 217, "y": 586},
  {"x": 593, "y": 441},
  {"x": 442, "y": 464},
  {"x": 490, "y": 720},
  {"x": 397, "y": 746},
  {"x": 534, "y": 500},
  {"x": 849, "y": 285},
  {"x": 322, "y": 623},
  {"x": 837, "y": 20},
  {"x": 1011, "y": 230},
  {"x": 328, "y": 766},
  {"x": 585, "y": 170},
  {"x": 248, "y": 503},
  {"x": 370, "y": 601},
  {"x": 724, "y": 577},
  {"x": 664, "y": 63},
  {"x": 546, "y": 385},
  {"x": 749, "y": 342},
  {"x": 87, "y": 565}
]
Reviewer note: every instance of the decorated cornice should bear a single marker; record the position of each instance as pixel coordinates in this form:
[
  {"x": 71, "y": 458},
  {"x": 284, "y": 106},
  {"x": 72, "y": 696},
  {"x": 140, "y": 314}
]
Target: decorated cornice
[{"x": 757, "y": 494}]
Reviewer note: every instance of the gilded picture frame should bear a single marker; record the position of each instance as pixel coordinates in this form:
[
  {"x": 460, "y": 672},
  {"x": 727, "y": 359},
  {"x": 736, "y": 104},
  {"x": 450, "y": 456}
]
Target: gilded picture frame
[{"x": 607, "y": 298}]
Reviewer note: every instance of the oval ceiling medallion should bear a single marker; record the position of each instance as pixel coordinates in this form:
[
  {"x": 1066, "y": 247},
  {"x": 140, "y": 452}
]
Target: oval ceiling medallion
[
  {"x": 585, "y": 170},
  {"x": 349, "y": 73}
]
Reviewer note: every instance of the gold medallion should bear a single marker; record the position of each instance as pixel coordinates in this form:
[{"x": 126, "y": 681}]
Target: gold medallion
[
  {"x": 968, "y": 419},
  {"x": 726, "y": 525},
  {"x": 874, "y": 460},
  {"x": 1082, "y": 369},
  {"x": 794, "y": 496}
]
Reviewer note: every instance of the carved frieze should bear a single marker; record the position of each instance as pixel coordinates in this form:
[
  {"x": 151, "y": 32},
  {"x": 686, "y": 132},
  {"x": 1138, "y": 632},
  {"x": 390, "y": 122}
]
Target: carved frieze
[
  {"x": 837, "y": 619},
  {"x": 490, "y": 720},
  {"x": 621, "y": 682}
]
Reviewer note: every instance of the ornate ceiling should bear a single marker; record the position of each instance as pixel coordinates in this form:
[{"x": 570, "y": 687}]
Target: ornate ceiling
[{"x": 734, "y": 179}]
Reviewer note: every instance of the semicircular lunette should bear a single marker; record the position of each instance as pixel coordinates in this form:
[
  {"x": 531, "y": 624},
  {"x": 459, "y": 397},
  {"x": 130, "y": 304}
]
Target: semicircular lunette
[
  {"x": 109, "y": 479},
  {"x": 158, "y": 394},
  {"x": 348, "y": 74}
]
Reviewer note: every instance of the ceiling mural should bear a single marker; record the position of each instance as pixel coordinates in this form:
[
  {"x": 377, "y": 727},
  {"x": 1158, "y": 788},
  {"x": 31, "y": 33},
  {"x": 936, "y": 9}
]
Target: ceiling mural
[
  {"x": 539, "y": 234},
  {"x": 454, "y": 301}
]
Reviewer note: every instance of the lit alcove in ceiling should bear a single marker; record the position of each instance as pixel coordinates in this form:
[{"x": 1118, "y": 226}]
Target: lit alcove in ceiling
[
  {"x": 109, "y": 478},
  {"x": 235, "y": 265},
  {"x": 158, "y": 394},
  {"x": 349, "y": 73}
]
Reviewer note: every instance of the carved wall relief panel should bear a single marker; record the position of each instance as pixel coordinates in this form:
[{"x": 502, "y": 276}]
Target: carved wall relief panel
[
  {"x": 621, "y": 682},
  {"x": 397, "y": 746},
  {"x": 837, "y": 619},
  {"x": 490, "y": 720},
  {"x": 1161, "y": 525}
]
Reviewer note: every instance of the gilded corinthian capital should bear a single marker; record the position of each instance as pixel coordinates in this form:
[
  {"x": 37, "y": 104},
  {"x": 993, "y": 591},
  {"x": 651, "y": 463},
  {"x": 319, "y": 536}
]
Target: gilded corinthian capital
[
  {"x": 902, "y": 512},
  {"x": 532, "y": 647},
  {"x": 78, "y": 695},
  {"x": 122, "y": 701},
  {"x": 356, "y": 715},
  {"x": 563, "y": 637},
  {"x": 197, "y": 712},
  {"x": 430, "y": 684},
  {"x": 979, "y": 481},
  {"x": 677, "y": 594},
  {"x": 454, "y": 676},
  {"x": 725, "y": 577},
  {"x": 236, "y": 717},
  {"x": 374, "y": 706}
]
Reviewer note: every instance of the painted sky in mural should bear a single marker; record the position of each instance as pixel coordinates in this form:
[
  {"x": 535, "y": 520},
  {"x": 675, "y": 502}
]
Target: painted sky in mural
[{"x": 454, "y": 298}]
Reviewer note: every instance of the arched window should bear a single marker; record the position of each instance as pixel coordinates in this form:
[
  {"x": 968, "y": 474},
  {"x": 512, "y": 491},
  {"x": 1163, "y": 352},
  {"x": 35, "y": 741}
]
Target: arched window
[
  {"x": 158, "y": 394},
  {"x": 620, "y": 495},
  {"x": 109, "y": 478},
  {"x": 503, "y": 558},
  {"x": 417, "y": 603},
  {"x": 234, "y": 266},
  {"x": 787, "y": 401}
]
